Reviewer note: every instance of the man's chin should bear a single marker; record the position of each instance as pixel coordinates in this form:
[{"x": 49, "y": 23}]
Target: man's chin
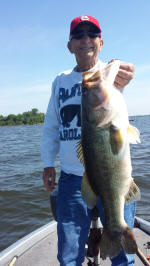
[{"x": 87, "y": 55}]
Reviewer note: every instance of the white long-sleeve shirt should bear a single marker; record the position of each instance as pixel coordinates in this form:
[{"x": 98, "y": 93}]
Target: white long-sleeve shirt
[{"x": 62, "y": 124}]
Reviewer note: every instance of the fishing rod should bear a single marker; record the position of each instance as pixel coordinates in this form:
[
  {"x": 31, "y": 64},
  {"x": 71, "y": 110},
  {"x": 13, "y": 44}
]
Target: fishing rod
[{"x": 142, "y": 257}]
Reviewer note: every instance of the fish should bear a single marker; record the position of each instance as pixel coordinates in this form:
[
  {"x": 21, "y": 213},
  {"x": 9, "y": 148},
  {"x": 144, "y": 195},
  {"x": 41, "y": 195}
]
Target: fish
[{"x": 104, "y": 150}]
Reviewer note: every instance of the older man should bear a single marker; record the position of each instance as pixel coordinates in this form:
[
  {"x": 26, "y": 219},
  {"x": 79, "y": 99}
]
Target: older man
[{"x": 61, "y": 132}]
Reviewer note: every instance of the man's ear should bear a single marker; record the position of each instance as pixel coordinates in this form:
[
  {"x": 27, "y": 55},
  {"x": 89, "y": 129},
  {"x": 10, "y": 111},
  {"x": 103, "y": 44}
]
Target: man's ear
[
  {"x": 101, "y": 44},
  {"x": 69, "y": 45}
]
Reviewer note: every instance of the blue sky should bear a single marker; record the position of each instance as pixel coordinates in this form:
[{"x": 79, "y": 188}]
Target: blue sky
[{"x": 33, "y": 39}]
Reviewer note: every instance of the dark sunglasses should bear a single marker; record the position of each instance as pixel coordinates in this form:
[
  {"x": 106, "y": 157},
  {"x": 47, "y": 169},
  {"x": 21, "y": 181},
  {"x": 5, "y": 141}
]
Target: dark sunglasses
[{"x": 79, "y": 34}]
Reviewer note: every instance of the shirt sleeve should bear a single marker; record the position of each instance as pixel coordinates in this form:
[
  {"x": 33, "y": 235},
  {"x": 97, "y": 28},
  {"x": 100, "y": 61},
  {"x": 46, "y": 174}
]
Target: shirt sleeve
[{"x": 50, "y": 136}]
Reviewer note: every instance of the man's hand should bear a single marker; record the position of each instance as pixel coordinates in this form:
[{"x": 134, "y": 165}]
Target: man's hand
[
  {"x": 49, "y": 175},
  {"x": 125, "y": 74}
]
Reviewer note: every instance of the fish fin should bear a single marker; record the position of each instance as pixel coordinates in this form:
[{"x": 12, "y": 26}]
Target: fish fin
[
  {"x": 133, "y": 135},
  {"x": 80, "y": 152},
  {"x": 110, "y": 245},
  {"x": 116, "y": 139},
  {"x": 111, "y": 70},
  {"x": 88, "y": 194},
  {"x": 133, "y": 193},
  {"x": 128, "y": 242}
]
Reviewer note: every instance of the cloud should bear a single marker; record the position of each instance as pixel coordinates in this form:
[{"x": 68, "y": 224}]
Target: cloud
[
  {"x": 21, "y": 99},
  {"x": 18, "y": 99}
]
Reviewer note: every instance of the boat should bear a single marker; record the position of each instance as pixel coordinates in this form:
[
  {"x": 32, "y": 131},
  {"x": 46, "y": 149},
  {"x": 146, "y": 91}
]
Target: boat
[
  {"x": 132, "y": 118},
  {"x": 39, "y": 248}
]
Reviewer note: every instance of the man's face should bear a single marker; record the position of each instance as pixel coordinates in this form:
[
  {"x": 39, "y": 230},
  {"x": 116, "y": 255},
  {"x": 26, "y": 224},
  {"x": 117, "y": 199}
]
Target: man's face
[{"x": 86, "y": 48}]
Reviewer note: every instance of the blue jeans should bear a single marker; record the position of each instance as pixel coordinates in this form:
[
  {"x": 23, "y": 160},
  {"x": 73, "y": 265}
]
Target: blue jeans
[{"x": 74, "y": 220}]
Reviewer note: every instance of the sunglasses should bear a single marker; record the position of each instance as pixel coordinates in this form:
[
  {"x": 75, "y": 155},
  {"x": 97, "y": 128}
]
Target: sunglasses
[{"x": 79, "y": 34}]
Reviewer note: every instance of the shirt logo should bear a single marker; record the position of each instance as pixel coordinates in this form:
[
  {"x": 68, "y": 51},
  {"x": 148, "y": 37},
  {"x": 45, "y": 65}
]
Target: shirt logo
[{"x": 84, "y": 18}]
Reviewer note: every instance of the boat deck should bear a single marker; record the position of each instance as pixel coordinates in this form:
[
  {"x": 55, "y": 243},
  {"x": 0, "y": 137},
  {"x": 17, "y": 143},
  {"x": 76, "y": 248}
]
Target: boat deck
[{"x": 43, "y": 252}]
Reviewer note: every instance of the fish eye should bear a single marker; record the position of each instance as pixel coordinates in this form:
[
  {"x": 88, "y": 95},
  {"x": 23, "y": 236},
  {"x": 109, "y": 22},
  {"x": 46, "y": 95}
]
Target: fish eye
[{"x": 84, "y": 90}]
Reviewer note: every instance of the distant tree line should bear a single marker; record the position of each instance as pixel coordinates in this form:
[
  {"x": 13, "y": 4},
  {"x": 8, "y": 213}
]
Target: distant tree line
[{"x": 27, "y": 118}]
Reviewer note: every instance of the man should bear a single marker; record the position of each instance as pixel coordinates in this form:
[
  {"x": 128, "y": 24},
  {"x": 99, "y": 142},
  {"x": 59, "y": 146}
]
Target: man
[{"x": 62, "y": 131}]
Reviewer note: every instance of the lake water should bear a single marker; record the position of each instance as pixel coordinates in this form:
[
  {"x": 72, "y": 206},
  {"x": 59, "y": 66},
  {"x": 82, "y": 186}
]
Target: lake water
[{"x": 24, "y": 203}]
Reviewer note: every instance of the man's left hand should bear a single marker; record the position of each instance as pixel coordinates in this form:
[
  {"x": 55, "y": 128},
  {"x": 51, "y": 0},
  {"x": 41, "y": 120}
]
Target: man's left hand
[{"x": 125, "y": 74}]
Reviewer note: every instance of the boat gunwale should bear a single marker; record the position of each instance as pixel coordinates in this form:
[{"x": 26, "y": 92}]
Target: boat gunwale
[
  {"x": 142, "y": 225},
  {"x": 22, "y": 245}
]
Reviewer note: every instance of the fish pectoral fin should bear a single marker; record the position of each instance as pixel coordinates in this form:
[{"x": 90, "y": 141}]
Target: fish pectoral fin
[
  {"x": 133, "y": 135},
  {"x": 116, "y": 139},
  {"x": 88, "y": 194},
  {"x": 133, "y": 193},
  {"x": 80, "y": 152}
]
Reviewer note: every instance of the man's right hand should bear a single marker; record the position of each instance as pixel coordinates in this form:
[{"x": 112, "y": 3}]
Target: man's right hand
[{"x": 49, "y": 175}]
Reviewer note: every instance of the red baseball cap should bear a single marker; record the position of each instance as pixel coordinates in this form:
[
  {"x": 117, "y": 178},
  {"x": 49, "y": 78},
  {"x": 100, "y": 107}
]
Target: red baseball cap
[{"x": 85, "y": 18}]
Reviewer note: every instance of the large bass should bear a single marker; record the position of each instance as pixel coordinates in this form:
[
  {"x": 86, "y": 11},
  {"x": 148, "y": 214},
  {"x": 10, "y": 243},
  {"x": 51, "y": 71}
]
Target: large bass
[{"x": 105, "y": 153}]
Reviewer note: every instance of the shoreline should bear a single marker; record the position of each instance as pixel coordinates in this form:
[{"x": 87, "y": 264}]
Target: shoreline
[{"x": 22, "y": 125}]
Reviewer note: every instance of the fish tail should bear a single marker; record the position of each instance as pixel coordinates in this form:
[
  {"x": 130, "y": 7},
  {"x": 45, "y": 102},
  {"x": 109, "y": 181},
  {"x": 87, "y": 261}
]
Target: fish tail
[
  {"x": 128, "y": 242},
  {"x": 112, "y": 244}
]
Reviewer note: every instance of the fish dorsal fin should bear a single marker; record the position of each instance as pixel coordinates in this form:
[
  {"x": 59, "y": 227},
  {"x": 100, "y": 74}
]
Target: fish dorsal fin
[
  {"x": 111, "y": 70},
  {"x": 80, "y": 152},
  {"x": 133, "y": 193},
  {"x": 133, "y": 135},
  {"x": 88, "y": 194}
]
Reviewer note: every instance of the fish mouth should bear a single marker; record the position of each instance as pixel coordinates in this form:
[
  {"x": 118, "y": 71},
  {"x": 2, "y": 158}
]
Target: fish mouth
[
  {"x": 100, "y": 100},
  {"x": 98, "y": 107}
]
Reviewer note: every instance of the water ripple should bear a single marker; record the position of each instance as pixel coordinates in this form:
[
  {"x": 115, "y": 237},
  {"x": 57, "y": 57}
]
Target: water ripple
[{"x": 24, "y": 201}]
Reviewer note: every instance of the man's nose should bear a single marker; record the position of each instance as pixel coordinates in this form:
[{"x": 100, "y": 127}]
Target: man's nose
[{"x": 85, "y": 37}]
